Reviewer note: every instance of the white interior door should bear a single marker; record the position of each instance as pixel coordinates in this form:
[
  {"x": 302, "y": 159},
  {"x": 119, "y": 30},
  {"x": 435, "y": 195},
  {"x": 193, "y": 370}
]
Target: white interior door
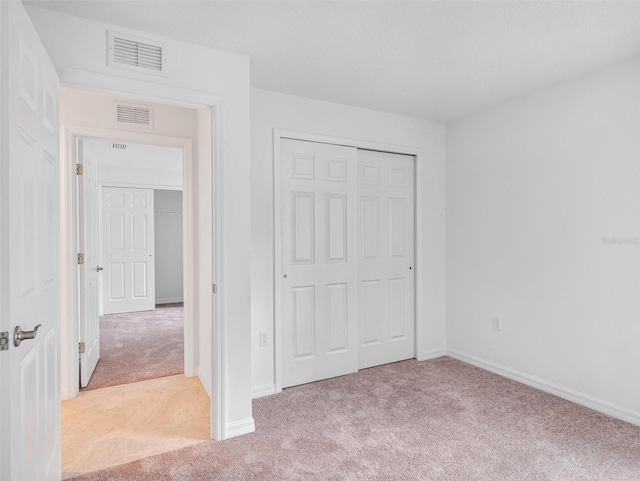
[
  {"x": 29, "y": 253},
  {"x": 385, "y": 258},
  {"x": 89, "y": 272},
  {"x": 128, "y": 250},
  {"x": 319, "y": 268}
]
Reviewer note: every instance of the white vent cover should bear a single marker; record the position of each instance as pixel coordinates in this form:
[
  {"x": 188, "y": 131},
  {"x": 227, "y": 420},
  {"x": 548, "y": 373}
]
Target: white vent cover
[
  {"x": 134, "y": 114},
  {"x": 134, "y": 53}
]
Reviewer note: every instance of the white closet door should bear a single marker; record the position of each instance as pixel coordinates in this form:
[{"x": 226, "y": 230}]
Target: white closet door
[
  {"x": 319, "y": 261},
  {"x": 128, "y": 250},
  {"x": 385, "y": 258}
]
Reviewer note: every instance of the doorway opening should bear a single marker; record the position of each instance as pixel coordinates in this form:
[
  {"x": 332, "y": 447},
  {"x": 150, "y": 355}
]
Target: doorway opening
[
  {"x": 137, "y": 286},
  {"x": 130, "y": 231}
]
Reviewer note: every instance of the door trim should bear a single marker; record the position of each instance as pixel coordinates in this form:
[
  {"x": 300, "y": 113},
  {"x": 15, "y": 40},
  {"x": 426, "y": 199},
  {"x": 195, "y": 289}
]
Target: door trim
[
  {"x": 144, "y": 90},
  {"x": 278, "y": 135}
]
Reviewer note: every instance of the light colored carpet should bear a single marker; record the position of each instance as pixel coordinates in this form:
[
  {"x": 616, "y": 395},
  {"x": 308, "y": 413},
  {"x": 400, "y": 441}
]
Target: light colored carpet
[
  {"x": 435, "y": 420},
  {"x": 137, "y": 346}
]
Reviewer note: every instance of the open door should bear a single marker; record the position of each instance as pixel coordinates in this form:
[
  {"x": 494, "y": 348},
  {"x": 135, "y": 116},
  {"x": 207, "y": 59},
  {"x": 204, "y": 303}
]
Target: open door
[
  {"x": 128, "y": 250},
  {"x": 29, "y": 254},
  {"x": 88, "y": 271}
]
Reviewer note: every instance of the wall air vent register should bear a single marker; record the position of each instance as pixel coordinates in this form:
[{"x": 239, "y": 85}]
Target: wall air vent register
[
  {"x": 136, "y": 54},
  {"x": 134, "y": 114}
]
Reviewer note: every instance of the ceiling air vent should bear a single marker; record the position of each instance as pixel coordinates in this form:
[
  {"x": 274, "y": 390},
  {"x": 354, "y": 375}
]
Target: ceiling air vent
[
  {"x": 134, "y": 114},
  {"x": 133, "y": 53}
]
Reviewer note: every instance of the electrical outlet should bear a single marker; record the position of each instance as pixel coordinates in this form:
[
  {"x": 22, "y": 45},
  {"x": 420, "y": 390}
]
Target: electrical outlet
[
  {"x": 496, "y": 324},
  {"x": 264, "y": 339}
]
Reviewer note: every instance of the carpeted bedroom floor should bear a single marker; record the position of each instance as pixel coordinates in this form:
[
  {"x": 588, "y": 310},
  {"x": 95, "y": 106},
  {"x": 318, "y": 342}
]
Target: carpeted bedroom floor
[
  {"x": 433, "y": 420},
  {"x": 136, "y": 346}
]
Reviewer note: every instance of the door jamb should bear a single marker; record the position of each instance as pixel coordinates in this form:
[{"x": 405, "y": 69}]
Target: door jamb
[
  {"x": 144, "y": 90},
  {"x": 278, "y": 135}
]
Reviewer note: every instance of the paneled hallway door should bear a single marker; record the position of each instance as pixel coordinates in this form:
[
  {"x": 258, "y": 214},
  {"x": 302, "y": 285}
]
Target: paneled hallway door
[
  {"x": 128, "y": 250},
  {"x": 29, "y": 254}
]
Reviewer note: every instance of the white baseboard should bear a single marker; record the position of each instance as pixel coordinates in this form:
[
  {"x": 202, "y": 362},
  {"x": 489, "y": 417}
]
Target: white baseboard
[
  {"x": 599, "y": 405},
  {"x": 170, "y": 300},
  {"x": 263, "y": 390},
  {"x": 238, "y": 428},
  {"x": 432, "y": 354},
  {"x": 206, "y": 382}
]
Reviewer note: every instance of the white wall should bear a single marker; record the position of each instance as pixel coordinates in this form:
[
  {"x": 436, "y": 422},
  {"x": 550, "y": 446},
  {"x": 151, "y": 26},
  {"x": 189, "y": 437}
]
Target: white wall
[
  {"x": 271, "y": 110},
  {"x": 167, "y": 205},
  {"x": 534, "y": 189},
  {"x": 78, "y": 50},
  {"x": 139, "y": 165}
]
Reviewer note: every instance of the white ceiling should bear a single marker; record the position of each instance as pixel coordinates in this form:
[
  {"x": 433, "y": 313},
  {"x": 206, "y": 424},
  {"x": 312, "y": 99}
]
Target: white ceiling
[{"x": 437, "y": 60}]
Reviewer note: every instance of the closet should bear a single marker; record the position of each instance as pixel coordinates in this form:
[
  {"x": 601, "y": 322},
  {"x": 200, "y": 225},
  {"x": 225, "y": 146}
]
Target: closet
[{"x": 347, "y": 259}]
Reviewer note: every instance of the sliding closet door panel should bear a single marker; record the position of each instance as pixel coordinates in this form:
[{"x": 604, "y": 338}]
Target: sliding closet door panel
[
  {"x": 319, "y": 261},
  {"x": 385, "y": 258}
]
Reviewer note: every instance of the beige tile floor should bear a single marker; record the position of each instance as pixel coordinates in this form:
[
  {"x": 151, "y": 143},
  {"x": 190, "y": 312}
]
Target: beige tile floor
[{"x": 115, "y": 425}]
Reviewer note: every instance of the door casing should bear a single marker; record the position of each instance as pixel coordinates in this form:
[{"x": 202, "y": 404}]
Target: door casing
[{"x": 278, "y": 135}]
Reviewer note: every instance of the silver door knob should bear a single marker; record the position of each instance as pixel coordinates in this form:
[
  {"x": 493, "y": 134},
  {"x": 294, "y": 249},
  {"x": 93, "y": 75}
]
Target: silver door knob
[
  {"x": 285, "y": 276},
  {"x": 99, "y": 268},
  {"x": 19, "y": 335}
]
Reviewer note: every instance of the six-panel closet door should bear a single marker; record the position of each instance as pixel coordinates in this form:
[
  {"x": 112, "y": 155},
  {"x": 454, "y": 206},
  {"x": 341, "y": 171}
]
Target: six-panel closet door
[
  {"x": 319, "y": 261},
  {"x": 386, "y": 270},
  {"x": 346, "y": 253}
]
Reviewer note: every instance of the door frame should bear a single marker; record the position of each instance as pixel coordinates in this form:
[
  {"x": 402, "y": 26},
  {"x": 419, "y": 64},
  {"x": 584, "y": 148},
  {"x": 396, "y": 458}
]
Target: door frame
[
  {"x": 154, "y": 92},
  {"x": 278, "y": 136},
  {"x": 70, "y": 323}
]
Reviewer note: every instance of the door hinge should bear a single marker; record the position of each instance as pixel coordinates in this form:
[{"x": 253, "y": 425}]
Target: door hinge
[
  {"x": 82, "y": 347},
  {"x": 215, "y": 288},
  {"x": 81, "y": 258},
  {"x": 79, "y": 169},
  {"x": 4, "y": 341}
]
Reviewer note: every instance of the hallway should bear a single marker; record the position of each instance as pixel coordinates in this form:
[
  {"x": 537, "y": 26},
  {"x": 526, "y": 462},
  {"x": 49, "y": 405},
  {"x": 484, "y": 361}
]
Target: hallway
[{"x": 112, "y": 426}]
